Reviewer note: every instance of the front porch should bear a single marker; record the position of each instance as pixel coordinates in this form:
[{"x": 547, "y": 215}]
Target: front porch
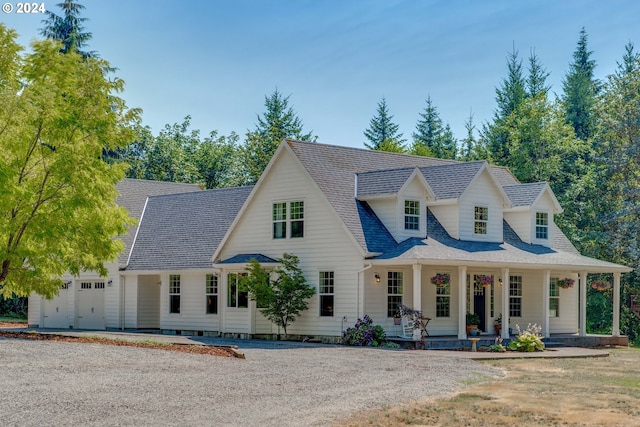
[{"x": 452, "y": 342}]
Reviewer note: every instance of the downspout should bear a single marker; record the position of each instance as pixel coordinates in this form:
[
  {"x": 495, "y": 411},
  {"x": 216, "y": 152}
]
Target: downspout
[
  {"x": 358, "y": 288},
  {"x": 122, "y": 302}
]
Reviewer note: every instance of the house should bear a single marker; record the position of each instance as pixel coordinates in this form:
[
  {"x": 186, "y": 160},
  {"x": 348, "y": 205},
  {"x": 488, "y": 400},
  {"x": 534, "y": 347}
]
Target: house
[{"x": 370, "y": 229}]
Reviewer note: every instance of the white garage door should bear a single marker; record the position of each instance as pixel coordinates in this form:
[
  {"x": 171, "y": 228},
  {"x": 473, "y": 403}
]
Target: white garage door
[
  {"x": 56, "y": 311},
  {"x": 91, "y": 305}
]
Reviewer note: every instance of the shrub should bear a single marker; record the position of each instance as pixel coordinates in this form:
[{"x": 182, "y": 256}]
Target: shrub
[
  {"x": 365, "y": 333},
  {"x": 528, "y": 340}
]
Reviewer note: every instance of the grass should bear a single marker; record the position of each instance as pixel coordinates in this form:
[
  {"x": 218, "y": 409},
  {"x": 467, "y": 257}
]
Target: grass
[
  {"x": 535, "y": 392},
  {"x": 13, "y": 318}
]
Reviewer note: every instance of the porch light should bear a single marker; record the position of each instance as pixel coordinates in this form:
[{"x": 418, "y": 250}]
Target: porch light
[
  {"x": 500, "y": 280},
  {"x": 377, "y": 277}
]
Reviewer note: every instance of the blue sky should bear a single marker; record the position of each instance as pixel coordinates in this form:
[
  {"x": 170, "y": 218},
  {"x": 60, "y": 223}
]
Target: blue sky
[{"x": 216, "y": 60}]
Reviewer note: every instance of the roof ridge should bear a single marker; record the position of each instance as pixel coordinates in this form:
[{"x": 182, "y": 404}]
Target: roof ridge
[{"x": 203, "y": 192}]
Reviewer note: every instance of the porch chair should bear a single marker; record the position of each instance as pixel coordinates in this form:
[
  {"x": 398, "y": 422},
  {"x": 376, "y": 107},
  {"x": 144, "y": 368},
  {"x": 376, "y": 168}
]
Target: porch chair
[{"x": 407, "y": 326}]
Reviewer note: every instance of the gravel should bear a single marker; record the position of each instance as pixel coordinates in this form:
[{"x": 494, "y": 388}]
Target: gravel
[{"x": 56, "y": 383}]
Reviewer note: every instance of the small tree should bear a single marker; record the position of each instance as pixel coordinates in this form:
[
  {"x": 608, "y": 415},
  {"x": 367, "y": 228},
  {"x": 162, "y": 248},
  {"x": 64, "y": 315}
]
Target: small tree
[{"x": 282, "y": 299}]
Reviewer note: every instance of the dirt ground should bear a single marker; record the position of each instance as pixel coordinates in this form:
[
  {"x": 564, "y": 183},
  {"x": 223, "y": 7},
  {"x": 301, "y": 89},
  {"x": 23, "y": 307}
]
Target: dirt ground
[{"x": 536, "y": 392}]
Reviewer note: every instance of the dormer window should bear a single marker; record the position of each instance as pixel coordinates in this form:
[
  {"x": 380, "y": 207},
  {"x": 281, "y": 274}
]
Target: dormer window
[
  {"x": 412, "y": 215},
  {"x": 542, "y": 225},
  {"x": 481, "y": 216}
]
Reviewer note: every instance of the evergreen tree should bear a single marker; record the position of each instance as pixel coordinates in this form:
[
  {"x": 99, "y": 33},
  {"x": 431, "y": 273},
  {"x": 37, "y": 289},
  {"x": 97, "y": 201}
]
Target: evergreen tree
[
  {"x": 430, "y": 134},
  {"x": 381, "y": 127},
  {"x": 68, "y": 28},
  {"x": 580, "y": 89},
  {"x": 278, "y": 122},
  {"x": 470, "y": 149},
  {"x": 537, "y": 80}
]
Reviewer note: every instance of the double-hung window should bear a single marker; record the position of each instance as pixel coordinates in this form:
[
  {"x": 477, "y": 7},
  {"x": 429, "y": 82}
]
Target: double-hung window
[
  {"x": 515, "y": 296},
  {"x": 412, "y": 215},
  {"x": 480, "y": 218},
  {"x": 542, "y": 225},
  {"x": 443, "y": 300},
  {"x": 211, "y": 293},
  {"x": 394, "y": 292},
  {"x": 325, "y": 290},
  {"x": 288, "y": 219},
  {"x": 174, "y": 293},
  {"x": 237, "y": 293},
  {"x": 554, "y": 298}
]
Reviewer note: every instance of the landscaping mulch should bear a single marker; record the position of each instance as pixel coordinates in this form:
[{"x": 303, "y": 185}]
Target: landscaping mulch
[{"x": 223, "y": 351}]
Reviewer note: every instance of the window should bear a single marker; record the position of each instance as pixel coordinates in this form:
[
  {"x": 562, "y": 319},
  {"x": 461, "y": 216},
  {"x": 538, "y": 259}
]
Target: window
[
  {"x": 85, "y": 285},
  {"x": 515, "y": 296},
  {"x": 394, "y": 292},
  {"x": 295, "y": 224},
  {"x": 237, "y": 294},
  {"x": 554, "y": 298},
  {"x": 174, "y": 293},
  {"x": 443, "y": 300},
  {"x": 411, "y": 215},
  {"x": 542, "y": 225},
  {"x": 99, "y": 285},
  {"x": 325, "y": 290},
  {"x": 481, "y": 215},
  {"x": 211, "y": 293}
]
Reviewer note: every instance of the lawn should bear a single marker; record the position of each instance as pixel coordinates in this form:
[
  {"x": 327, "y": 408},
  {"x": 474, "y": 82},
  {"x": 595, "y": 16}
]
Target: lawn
[{"x": 603, "y": 391}]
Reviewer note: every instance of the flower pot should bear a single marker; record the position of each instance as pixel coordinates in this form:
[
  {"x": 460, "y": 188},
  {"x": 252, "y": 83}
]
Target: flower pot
[
  {"x": 470, "y": 328},
  {"x": 397, "y": 320},
  {"x": 498, "y": 328}
]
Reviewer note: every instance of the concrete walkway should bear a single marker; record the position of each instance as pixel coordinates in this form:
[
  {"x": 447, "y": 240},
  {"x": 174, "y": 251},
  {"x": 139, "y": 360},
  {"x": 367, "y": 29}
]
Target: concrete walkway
[{"x": 556, "y": 352}]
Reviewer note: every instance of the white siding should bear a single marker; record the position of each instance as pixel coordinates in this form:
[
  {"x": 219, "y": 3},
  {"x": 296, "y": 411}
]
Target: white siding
[
  {"x": 521, "y": 224},
  {"x": 130, "y": 295},
  {"x": 325, "y": 246},
  {"x": 376, "y": 295},
  {"x": 149, "y": 301},
  {"x": 439, "y": 325},
  {"x": 482, "y": 192},
  {"x": 414, "y": 190},
  {"x": 192, "y": 316},
  {"x": 33, "y": 314},
  {"x": 387, "y": 212},
  {"x": 544, "y": 204},
  {"x": 448, "y": 216}
]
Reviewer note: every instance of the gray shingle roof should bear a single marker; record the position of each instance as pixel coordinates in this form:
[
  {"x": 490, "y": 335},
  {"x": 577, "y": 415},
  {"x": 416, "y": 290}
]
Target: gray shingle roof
[
  {"x": 132, "y": 195},
  {"x": 182, "y": 231},
  {"x": 382, "y": 182},
  {"x": 524, "y": 194},
  {"x": 450, "y": 181}
]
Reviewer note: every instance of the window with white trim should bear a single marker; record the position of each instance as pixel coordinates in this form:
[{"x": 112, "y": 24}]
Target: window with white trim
[
  {"x": 211, "y": 293},
  {"x": 294, "y": 225},
  {"x": 542, "y": 225},
  {"x": 237, "y": 293},
  {"x": 554, "y": 298},
  {"x": 412, "y": 215},
  {"x": 515, "y": 296},
  {"x": 443, "y": 300},
  {"x": 85, "y": 285},
  {"x": 480, "y": 219},
  {"x": 394, "y": 291},
  {"x": 325, "y": 291},
  {"x": 174, "y": 293}
]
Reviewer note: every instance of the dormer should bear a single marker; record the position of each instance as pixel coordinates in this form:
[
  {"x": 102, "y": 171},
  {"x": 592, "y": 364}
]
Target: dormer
[
  {"x": 399, "y": 198},
  {"x": 469, "y": 201},
  {"x": 532, "y": 211}
]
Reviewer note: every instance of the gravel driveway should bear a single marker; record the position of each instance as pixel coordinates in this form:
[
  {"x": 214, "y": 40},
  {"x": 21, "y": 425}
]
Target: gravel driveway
[{"x": 53, "y": 383}]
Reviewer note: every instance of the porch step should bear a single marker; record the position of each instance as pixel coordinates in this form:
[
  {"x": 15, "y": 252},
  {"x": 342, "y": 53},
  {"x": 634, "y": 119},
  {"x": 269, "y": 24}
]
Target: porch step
[{"x": 552, "y": 344}]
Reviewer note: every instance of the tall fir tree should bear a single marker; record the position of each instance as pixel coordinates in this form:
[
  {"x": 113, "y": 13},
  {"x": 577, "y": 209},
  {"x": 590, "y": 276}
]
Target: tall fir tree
[
  {"x": 68, "y": 28},
  {"x": 469, "y": 148},
  {"x": 580, "y": 90},
  {"x": 430, "y": 137},
  {"x": 278, "y": 122},
  {"x": 381, "y": 128},
  {"x": 536, "y": 83}
]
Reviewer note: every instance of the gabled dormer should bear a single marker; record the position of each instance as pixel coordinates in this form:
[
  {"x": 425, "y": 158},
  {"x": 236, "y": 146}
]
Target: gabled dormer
[
  {"x": 532, "y": 211},
  {"x": 469, "y": 201},
  {"x": 399, "y": 198}
]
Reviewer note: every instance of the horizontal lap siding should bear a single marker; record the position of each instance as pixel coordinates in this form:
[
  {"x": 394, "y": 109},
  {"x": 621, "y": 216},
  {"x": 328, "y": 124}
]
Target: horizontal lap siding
[
  {"x": 192, "y": 316},
  {"x": 387, "y": 212},
  {"x": 520, "y": 222},
  {"x": 483, "y": 192},
  {"x": 324, "y": 247},
  {"x": 448, "y": 217},
  {"x": 33, "y": 314}
]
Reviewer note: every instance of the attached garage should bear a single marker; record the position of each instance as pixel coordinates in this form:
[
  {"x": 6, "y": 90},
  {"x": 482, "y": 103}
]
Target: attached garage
[
  {"x": 90, "y": 305},
  {"x": 55, "y": 312}
]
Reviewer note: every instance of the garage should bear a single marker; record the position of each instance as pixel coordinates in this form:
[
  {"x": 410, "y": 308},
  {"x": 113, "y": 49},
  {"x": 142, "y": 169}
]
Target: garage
[
  {"x": 56, "y": 311},
  {"x": 90, "y": 305}
]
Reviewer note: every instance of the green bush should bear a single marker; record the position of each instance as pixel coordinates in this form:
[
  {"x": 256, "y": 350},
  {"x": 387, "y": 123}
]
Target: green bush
[
  {"x": 528, "y": 340},
  {"x": 365, "y": 333}
]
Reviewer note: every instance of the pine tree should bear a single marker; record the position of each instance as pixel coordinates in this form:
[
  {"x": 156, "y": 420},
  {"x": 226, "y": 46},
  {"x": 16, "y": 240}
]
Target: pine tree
[
  {"x": 537, "y": 80},
  {"x": 580, "y": 90},
  {"x": 68, "y": 28},
  {"x": 470, "y": 150},
  {"x": 278, "y": 122},
  {"x": 381, "y": 128},
  {"x": 431, "y": 137}
]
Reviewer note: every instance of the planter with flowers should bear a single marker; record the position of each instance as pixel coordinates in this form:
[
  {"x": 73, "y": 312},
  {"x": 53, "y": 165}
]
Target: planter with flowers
[
  {"x": 484, "y": 280},
  {"x": 566, "y": 283},
  {"x": 441, "y": 279},
  {"x": 599, "y": 285}
]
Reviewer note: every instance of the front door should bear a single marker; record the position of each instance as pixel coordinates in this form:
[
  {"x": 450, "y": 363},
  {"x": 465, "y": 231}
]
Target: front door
[{"x": 479, "y": 304}]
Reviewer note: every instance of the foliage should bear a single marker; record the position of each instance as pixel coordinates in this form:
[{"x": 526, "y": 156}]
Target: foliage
[
  {"x": 498, "y": 320},
  {"x": 470, "y": 148},
  {"x": 566, "y": 283},
  {"x": 278, "y": 122},
  {"x": 483, "y": 280},
  {"x": 472, "y": 319},
  {"x": 497, "y": 346},
  {"x": 365, "y": 334},
  {"x": 281, "y": 296},
  {"x": 381, "y": 128},
  {"x": 68, "y": 28},
  {"x": 13, "y": 306},
  {"x": 441, "y": 279},
  {"x": 528, "y": 340},
  {"x": 431, "y": 134},
  {"x": 59, "y": 214}
]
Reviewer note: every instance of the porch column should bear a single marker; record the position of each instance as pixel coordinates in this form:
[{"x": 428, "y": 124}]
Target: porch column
[
  {"x": 417, "y": 287},
  {"x": 616, "y": 305},
  {"x": 504, "y": 332},
  {"x": 546, "y": 279},
  {"x": 462, "y": 302},
  {"x": 222, "y": 295},
  {"x": 583, "y": 304}
]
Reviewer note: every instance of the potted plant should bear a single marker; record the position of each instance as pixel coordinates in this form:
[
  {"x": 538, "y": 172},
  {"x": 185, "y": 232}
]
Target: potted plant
[
  {"x": 397, "y": 318},
  {"x": 473, "y": 320},
  {"x": 497, "y": 324},
  {"x": 441, "y": 279},
  {"x": 565, "y": 283}
]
